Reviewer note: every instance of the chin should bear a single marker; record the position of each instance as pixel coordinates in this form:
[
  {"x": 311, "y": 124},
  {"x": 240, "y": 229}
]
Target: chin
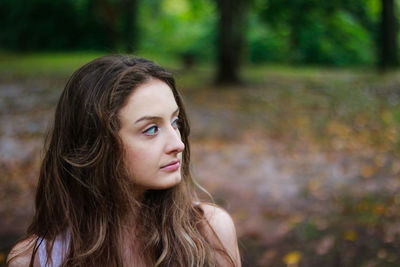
[{"x": 172, "y": 181}]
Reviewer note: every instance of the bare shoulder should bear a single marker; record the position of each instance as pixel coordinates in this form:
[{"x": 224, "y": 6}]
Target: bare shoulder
[
  {"x": 21, "y": 253},
  {"x": 220, "y": 220},
  {"x": 224, "y": 227}
]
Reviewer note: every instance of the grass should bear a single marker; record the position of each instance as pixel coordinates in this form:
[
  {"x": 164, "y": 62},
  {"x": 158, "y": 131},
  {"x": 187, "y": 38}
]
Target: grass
[
  {"x": 59, "y": 63},
  {"x": 50, "y": 63},
  {"x": 46, "y": 64}
]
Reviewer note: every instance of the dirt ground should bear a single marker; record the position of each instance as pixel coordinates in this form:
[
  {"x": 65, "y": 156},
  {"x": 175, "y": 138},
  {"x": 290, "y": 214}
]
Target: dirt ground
[{"x": 303, "y": 188}]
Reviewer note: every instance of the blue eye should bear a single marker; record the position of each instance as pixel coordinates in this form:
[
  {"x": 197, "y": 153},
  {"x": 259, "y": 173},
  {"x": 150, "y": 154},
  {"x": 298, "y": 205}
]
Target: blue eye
[
  {"x": 175, "y": 123},
  {"x": 151, "y": 131}
]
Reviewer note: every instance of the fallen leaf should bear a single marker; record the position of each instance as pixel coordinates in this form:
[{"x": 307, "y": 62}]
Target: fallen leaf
[
  {"x": 382, "y": 254},
  {"x": 292, "y": 258},
  {"x": 367, "y": 171},
  {"x": 379, "y": 209},
  {"x": 350, "y": 235}
]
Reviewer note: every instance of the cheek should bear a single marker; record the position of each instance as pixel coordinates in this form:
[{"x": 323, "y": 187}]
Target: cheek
[{"x": 140, "y": 159}]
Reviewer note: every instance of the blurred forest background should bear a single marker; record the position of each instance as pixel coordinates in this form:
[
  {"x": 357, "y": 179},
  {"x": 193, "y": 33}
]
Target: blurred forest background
[{"x": 294, "y": 106}]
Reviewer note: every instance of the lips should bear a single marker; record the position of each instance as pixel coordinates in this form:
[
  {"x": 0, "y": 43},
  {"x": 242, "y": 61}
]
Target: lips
[{"x": 172, "y": 166}]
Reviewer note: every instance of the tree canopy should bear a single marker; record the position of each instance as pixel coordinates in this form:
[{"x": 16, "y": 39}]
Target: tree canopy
[{"x": 338, "y": 33}]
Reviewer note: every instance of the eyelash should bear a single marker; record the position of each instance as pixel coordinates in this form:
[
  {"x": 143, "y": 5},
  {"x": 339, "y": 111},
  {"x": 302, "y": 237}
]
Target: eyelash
[
  {"x": 147, "y": 131},
  {"x": 175, "y": 124}
]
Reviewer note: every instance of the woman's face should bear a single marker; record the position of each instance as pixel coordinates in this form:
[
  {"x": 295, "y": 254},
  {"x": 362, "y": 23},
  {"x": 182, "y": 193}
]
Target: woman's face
[{"x": 150, "y": 136}]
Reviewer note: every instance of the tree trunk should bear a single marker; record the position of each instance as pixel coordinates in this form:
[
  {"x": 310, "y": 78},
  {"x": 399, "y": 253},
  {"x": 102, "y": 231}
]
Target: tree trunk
[
  {"x": 295, "y": 23},
  {"x": 388, "y": 41},
  {"x": 229, "y": 40}
]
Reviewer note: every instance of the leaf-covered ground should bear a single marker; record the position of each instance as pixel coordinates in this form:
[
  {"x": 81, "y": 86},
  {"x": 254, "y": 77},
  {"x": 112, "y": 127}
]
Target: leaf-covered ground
[{"x": 306, "y": 161}]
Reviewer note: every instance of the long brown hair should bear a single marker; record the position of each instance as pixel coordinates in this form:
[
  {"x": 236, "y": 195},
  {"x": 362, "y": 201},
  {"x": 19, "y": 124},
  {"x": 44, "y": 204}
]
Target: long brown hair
[{"x": 83, "y": 189}]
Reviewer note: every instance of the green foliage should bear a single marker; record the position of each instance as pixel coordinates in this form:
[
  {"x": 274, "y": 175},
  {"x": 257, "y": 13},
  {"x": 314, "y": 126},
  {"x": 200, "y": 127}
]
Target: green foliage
[
  {"x": 321, "y": 32},
  {"x": 351, "y": 43},
  {"x": 266, "y": 44},
  {"x": 337, "y": 33},
  {"x": 178, "y": 27},
  {"x": 39, "y": 24},
  {"x": 43, "y": 25}
]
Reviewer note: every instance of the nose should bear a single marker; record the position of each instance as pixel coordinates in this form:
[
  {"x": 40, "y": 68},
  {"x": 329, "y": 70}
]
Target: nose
[{"x": 174, "y": 142}]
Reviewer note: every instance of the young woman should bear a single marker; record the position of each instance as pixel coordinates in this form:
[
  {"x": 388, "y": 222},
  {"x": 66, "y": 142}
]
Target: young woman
[{"x": 115, "y": 187}]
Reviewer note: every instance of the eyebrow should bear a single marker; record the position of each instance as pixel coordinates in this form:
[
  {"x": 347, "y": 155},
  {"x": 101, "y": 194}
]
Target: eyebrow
[{"x": 146, "y": 118}]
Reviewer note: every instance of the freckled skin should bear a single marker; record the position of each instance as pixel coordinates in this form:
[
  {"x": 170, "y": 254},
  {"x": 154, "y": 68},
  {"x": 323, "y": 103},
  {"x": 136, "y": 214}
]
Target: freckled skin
[{"x": 153, "y": 142}]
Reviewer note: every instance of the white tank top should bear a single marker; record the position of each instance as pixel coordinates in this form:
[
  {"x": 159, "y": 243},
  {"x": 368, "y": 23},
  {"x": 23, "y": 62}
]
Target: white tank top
[{"x": 59, "y": 252}]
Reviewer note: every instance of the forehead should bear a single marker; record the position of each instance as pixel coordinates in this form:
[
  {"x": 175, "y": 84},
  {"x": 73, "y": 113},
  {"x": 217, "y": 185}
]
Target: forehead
[{"x": 153, "y": 98}]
